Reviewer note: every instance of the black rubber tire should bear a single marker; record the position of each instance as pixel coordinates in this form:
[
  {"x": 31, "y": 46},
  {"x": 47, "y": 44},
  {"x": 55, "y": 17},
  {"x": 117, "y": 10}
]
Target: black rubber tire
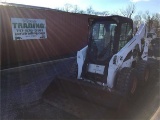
[
  {"x": 154, "y": 66},
  {"x": 127, "y": 82},
  {"x": 143, "y": 72},
  {"x": 73, "y": 73}
]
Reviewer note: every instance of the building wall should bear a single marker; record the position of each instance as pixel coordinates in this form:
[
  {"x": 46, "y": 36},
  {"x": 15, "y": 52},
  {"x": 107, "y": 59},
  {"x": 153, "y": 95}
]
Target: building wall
[{"x": 66, "y": 33}]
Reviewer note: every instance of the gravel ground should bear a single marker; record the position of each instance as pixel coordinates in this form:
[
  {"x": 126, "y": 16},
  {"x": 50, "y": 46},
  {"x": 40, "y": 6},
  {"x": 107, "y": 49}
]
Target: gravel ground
[
  {"x": 43, "y": 111},
  {"x": 24, "y": 85},
  {"x": 22, "y": 88}
]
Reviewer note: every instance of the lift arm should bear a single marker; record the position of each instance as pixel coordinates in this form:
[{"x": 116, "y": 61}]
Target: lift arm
[{"x": 118, "y": 61}]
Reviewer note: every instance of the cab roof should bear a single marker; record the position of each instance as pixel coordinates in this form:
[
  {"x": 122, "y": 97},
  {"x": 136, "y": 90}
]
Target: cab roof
[{"x": 118, "y": 19}]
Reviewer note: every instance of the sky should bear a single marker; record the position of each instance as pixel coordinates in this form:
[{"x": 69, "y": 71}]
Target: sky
[{"x": 153, "y": 6}]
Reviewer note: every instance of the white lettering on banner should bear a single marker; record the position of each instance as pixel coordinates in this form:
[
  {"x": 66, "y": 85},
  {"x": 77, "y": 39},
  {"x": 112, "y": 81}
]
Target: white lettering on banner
[{"x": 24, "y": 29}]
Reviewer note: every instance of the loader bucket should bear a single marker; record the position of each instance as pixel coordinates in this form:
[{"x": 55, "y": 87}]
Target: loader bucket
[{"x": 84, "y": 90}]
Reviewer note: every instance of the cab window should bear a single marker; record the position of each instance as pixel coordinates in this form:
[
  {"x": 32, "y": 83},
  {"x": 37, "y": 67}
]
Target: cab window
[{"x": 125, "y": 35}]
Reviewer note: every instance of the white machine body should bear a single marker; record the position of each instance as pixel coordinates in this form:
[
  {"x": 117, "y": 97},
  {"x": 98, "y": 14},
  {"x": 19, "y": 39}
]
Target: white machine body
[{"x": 117, "y": 61}]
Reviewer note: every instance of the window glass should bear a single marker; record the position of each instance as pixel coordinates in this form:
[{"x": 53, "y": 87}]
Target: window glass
[
  {"x": 102, "y": 37},
  {"x": 126, "y": 34}
]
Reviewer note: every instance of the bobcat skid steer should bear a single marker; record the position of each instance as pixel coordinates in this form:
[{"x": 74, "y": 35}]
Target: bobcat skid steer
[{"x": 110, "y": 67}]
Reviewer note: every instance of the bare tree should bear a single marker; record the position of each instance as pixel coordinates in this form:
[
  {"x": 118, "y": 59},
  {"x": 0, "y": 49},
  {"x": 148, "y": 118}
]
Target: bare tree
[
  {"x": 149, "y": 19},
  {"x": 105, "y": 13},
  {"x": 98, "y": 13},
  {"x": 75, "y": 9},
  {"x": 153, "y": 21},
  {"x": 67, "y": 7},
  {"x": 60, "y": 9},
  {"x": 90, "y": 10},
  {"x": 138, "y": 19},
  {"x": 128, "y": 11},
  {"x": 81, "y": 12},
  {"x": 115, "y": 13},
  {"x": 156, "y": 23}
]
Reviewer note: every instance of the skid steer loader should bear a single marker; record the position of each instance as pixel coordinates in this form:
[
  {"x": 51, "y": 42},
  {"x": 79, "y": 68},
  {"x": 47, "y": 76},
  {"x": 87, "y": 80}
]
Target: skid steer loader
[{"x": 111, "y": 66}]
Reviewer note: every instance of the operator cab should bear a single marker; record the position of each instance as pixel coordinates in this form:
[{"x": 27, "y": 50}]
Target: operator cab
[{"x": 107, "y": 36}]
